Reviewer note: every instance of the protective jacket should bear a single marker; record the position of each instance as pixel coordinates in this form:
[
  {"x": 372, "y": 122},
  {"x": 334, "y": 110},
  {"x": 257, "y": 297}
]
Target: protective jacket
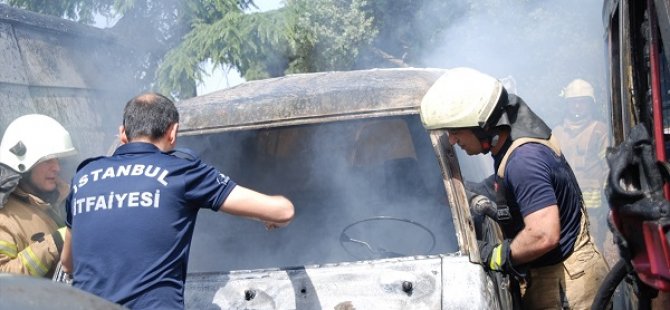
[
  {"x": 584, "y": 146},
  {"x": 26, "y": 226}
]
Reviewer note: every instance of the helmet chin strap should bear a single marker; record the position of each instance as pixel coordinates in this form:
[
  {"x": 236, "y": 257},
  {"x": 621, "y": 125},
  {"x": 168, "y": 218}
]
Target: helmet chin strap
[
  {"x": 495, "y": 139},
  {"x": 486, "y": 138},
  {"x": 489, "y": 142},
  {"x": 486, "y": 146}
]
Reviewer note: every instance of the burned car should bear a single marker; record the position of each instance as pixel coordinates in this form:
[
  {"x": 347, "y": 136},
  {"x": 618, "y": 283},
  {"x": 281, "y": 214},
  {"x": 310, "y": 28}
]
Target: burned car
[{"x": 383, "y": 217}]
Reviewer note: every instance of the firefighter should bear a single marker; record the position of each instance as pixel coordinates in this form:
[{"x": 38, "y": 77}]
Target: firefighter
[
  {"x": 584, "y": 140},
  {"x": 131, "y": 215},
  {"x": 540, "y": 209},
  {"x": 31, "y": 214}
]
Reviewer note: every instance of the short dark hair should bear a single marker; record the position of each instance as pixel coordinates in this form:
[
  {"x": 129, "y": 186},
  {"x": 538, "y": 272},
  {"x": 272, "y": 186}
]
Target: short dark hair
[{"x": 149, "y": 115}]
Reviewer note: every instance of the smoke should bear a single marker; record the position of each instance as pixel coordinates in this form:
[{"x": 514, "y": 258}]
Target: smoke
[
  {"x": 336, "y": 174},
  {"x": 542, "y": 44}
]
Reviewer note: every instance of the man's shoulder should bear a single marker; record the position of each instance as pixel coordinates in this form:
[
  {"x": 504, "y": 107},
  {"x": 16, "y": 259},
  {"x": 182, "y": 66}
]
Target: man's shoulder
[
  {"x": 184, "y": 153},
  {"x": 529, "y": 152},
  {"x": 87, "y": 161},
  {"x": 532, "y": 147},
  {"x": 14, "y": 204}
]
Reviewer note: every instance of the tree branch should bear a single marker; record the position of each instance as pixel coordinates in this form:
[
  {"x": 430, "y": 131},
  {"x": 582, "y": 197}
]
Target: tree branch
[{"x": 390, "y": 58}]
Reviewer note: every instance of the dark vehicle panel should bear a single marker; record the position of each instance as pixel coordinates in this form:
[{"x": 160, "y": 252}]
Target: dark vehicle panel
[{"x": 305, "y": 98}]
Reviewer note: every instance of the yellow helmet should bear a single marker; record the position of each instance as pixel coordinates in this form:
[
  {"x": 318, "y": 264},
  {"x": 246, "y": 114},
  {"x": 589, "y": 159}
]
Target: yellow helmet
[
  {"x": 31, "y": 139},
  {"x": 461, "y": 97},
  {"x": 578, "y": 88}
]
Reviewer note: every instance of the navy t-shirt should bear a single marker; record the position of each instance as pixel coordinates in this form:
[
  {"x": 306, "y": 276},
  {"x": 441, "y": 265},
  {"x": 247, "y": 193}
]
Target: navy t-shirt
[
  {"x": 132, "y": 217},
  {"x": 535, "y": 178}
]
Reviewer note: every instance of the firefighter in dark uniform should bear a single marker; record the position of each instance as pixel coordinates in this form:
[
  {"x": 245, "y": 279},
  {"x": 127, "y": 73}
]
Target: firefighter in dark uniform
[
  {"x": 131, "y": 215},
  {"x": 546, "y": 230}
]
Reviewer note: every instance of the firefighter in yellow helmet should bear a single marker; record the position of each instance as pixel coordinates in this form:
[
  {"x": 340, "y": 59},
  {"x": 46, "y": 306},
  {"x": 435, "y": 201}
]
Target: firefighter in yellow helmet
[
  {"x": 540, "y": 209},
  {"x": 584, "y": 141},
  {"x": 31, "y": 193}
]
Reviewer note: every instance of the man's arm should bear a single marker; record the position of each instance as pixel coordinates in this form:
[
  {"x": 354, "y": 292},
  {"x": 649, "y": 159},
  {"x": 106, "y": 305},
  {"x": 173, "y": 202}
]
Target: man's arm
[
  {"x": 66, "y": 254},
  {"x": 541, "y": 235},
  {"x": 36, "y": 259},
  {"x": 275, "y": 211}
]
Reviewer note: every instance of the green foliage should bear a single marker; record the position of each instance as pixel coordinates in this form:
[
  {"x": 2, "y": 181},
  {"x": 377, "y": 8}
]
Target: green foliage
[
  {"x": 247, "y": 42},
  {"x": 328, "y": 35},
  {"x": 305, "y": 36}
]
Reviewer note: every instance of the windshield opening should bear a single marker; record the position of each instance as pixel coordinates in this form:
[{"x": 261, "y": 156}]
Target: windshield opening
[{"x": 363, "y": 189}]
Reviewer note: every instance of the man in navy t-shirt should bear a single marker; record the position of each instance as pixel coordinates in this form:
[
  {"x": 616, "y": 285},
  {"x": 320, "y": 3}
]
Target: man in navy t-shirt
[
  {"x": 131, "y": 215},
  {"x": 540, "y": 205}
]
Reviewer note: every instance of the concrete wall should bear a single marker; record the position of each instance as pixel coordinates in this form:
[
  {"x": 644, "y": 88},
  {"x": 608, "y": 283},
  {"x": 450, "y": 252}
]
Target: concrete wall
[{"x": 76, "y": 74}]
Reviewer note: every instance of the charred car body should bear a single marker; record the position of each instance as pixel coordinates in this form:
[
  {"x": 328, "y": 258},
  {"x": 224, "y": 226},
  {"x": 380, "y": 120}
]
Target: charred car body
[{"x": 382, "y": 215}]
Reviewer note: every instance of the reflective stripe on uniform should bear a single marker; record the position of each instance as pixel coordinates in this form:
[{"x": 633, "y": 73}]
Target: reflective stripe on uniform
[
  {"x": 8, "y": 249},
  {"x": 592, "y": 199},
  {"x": 496, "y": 258},
  {"x": 30, "y": 261},
  {"x": 602, "y": 154}
]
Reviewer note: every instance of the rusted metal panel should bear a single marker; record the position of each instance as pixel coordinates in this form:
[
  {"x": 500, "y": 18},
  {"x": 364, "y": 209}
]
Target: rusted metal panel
[
  {"x": 14, "y": 16},
  {"x": 306, "y": 98},
  {"x": 10, "y": 59},
  {"x": 458, "y": 201},
  {"x": 466, "y": 286},
  {"x": 428, "y": 282},
  {"x": 75, "y": 110},
  {"x": 47, "y": 61},
  {"x": 15, "y": 101},
  {"x": 75, "y": 73},
  {"x": 55, "y": 52},
  {"x": 70, "y": 106}
]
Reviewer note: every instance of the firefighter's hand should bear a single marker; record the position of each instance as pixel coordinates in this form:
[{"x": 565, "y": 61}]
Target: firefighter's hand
[
  {"x": 494, "y": 257},
  {"x": 497, "y": 257}
]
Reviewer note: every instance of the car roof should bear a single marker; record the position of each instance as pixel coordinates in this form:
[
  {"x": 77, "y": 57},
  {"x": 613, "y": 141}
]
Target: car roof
[{"x": 307, "y": 98}]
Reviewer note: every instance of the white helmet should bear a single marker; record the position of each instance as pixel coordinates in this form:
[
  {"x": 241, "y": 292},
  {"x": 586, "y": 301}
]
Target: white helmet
[
  {"x": 31, "y": 139},
  {"x": 462, "y": 97},
  {"x": 578, "y": 88}
]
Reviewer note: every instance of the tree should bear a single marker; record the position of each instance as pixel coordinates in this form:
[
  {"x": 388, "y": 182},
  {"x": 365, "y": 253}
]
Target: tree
[{"x": 303, "y": 36}]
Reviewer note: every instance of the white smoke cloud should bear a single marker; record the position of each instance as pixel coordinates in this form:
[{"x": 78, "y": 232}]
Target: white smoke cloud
[{"x": 541, "y": 44}]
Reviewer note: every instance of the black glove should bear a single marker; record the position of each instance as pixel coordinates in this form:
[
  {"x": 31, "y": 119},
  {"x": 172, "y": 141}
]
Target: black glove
[{"x": 497, "y": 257}]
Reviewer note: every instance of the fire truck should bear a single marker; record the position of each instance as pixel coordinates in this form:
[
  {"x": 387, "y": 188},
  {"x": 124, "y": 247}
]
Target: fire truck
[{"x": 637, "y": 34}]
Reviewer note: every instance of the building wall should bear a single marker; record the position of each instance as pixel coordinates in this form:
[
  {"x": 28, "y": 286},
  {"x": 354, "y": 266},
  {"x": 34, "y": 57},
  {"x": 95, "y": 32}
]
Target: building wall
[{"x": 74, "y": 73}]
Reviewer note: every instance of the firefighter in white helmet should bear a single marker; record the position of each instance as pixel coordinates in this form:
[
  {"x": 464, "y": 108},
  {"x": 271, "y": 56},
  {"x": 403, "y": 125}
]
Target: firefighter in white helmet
[
  {"x": 540, "y": 210},
  {"x": 584, "y": 141},
  {"x": 31, "y": 192}
]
